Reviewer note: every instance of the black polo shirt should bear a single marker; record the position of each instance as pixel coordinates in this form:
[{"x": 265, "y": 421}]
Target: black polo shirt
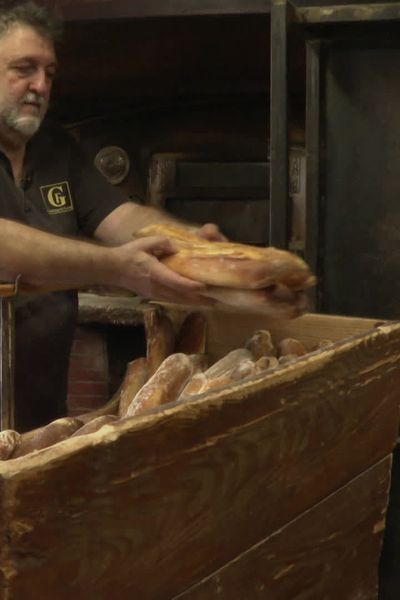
[{"x": 63, "y": 193}]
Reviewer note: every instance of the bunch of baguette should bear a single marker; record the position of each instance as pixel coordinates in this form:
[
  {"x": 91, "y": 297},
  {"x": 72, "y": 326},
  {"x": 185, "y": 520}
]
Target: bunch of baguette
[
  {"x": 175, "y": 369},
  {"x": 257, "y": 279}
]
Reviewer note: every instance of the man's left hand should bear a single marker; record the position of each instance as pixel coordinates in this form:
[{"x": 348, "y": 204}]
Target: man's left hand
[{"x": 211, "y": 232}]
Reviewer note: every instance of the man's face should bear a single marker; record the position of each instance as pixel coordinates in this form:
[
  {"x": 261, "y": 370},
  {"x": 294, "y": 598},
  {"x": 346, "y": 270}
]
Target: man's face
[{"x": 27, "y": 69}]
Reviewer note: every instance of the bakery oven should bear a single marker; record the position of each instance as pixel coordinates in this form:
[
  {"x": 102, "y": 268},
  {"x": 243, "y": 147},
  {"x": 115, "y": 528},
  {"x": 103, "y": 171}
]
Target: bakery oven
[
  {"x": 233, "y": 194},
  {"x": 201, "y": 188}
]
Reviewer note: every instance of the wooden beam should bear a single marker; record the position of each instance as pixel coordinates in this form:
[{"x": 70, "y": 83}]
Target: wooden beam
[
  {"x": 131, "y": 9},
  {"x": 350, "y": 13}
]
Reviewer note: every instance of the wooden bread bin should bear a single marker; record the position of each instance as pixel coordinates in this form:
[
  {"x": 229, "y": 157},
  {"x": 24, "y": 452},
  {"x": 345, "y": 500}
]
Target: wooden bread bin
[{"x": 272, "y": 488}]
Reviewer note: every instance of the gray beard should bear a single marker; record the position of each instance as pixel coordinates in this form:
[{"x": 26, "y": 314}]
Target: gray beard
[{"x": 25, "y": 126}]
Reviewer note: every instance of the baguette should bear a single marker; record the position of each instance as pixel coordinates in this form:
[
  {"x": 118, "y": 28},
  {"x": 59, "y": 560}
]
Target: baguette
[
  {"x": 135, "y": 377},
  {"x": 199, "y": 384},
  {"x": 165, "y": 385},
  {"x": 50, "y": 434},
  {"x": 192, "y": 335},
  {"x": 226, "y": 264},
  {"x": 233, "y": 367},
  {"x": 321, "y": 344},
  {"x": 9, "y": 441},
  {"x": 286, "y": 359},
  {"x": 291, "y": 346},
  {"x": 195, "y": 385},
  {"x": 160, "y": 337},
  {"x": 94, "y": 425},
  {"x": 260, "y": 344},
  {"x": 244, "y": 369},
  {"x": 228, "y": 362},
  {"x": 266, "y": 362}
]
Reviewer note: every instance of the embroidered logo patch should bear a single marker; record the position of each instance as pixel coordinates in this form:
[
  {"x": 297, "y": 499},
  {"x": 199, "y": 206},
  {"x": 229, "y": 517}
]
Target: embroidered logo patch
[{"x": 57, "y": 197}]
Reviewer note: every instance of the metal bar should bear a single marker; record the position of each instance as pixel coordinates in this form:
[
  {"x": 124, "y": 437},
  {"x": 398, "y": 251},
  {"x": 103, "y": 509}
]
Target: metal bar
[
  {"x": 279, "y": 155},
  {"x": 7, "y": 353},
  {"x": 81, "y": 10},
  {"x": 313, "y": 144},
  {"x": 349, "y": 13}
]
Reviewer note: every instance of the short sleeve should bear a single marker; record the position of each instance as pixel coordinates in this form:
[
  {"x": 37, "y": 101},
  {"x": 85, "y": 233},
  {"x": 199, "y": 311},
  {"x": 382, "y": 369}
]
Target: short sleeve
[{"x": 94, "y": 197}]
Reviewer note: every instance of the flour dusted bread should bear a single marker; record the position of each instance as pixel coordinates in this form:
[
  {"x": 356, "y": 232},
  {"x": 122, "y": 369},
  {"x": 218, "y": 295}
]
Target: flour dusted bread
[
  {"x": 160, "y": 337},
  {"x": 135, "y": 377},
  {"x": 228, "y": 362},
  {"x": 266, "y": 362},
  {"x": 226, "y": 264},
  {"x": 260, "y": 344},
  {"x": 291, "y": 346},
  {"x": 50, "y": 434},
  {"x": 165, "y": 385},
  {"x": 200, "y": 384},
  {"x": 95, "y": 425},
  {"x": 9, "y": 441}
]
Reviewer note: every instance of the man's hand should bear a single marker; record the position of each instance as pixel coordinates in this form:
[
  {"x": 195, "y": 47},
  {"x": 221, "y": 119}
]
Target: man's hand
[
  {"x": 143, "y": 273},
  {"x": 211, "y": 232}
]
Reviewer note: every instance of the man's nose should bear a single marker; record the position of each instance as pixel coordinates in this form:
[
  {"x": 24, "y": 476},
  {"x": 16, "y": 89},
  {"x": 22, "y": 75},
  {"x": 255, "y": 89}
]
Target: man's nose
[{"x": 40, "y": 83}]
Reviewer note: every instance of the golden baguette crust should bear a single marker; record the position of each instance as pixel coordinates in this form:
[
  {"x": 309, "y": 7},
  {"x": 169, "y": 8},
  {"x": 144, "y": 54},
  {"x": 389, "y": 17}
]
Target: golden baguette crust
[
  {"x": 160, "y": 337},
  {"x": 94, "y": 425},
  {"x": 229, "y": 264},
  {"x": 45, "y": 436},
  {"x": 135, "y": 377},
  {"x": 164, "y": 385}
]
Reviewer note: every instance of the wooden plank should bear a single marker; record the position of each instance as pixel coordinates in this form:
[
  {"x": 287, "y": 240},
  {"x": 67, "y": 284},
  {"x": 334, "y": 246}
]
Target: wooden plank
[
  {"x": 123, "y": 9},
  {"x": 229, "y": 330},
  {"x": 350, "y": 13},
  {"x": 329, "y": 552},
  {"x": 148, "y": 507}
]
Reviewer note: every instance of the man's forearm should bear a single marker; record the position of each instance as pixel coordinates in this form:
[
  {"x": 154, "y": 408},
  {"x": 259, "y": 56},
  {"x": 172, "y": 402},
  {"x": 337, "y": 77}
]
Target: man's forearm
[
  {"x": 41, "y": 258},
  {"x": 53, "y": 262},
  {"x": 120, "y": 225}
]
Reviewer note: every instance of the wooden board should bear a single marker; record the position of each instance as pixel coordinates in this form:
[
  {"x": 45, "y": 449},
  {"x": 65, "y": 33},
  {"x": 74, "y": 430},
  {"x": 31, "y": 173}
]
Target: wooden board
[
  {"x": 228, "y": 330},
  {"x": 328, "y": 552},
  {"x": 148, "y": 507}
]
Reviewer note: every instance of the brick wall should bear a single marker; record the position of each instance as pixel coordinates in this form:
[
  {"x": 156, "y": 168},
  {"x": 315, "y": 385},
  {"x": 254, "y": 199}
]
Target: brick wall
[{"x": 88, "y": 371}]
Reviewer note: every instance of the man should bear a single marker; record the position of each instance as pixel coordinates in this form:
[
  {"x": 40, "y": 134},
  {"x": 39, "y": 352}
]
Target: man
[{"x": 50, "y": 198}]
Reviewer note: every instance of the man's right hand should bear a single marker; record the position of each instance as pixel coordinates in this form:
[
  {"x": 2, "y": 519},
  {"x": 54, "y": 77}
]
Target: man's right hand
[{"x": 143, "y": 273}]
